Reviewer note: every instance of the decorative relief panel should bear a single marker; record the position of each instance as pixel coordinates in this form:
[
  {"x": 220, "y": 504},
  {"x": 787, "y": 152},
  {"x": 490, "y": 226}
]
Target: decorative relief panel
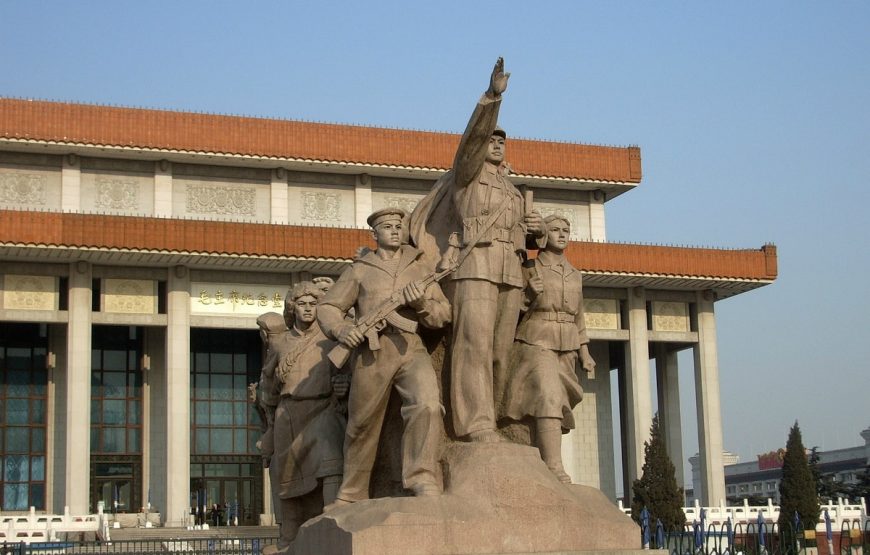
[
  {"x": 30, "y": 292},
  {"x": 211, "y": 199},
  {"x": 601, "y": 314},
  {"x": 670, "y": 316},
  {"x": 568, "y": 213},
  {"x": 116, "y": 194},
  {"x": 321, "y": 206},
  {"x": 130, "y": 296},
  {"x": 405, "y": 203},
  {"x": 23, "y": 188}
]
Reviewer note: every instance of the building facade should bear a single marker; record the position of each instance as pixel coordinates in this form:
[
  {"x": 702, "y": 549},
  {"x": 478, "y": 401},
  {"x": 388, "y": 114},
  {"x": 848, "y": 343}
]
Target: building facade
[
  {"x": 759, "y": 479},
  {"x": 137, "y": 248}
]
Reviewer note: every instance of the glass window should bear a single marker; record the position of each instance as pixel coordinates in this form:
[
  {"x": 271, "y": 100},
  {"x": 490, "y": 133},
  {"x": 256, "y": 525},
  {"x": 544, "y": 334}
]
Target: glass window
[
  {"x": 23, "y": 386},
  {"x": 15, "y": 497},
  {"x": 221, "y": 414},
  {"x": 17, "y": 411},
  {"x": 226, "y": 361},
  {"x": 116, "y": 404},
  {"x": 221, "y": 440}
]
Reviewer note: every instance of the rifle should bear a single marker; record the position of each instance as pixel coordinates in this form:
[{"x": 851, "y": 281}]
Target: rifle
[
  {"x": 386, "y": 311},
  {"x": 385, "y": 314}
]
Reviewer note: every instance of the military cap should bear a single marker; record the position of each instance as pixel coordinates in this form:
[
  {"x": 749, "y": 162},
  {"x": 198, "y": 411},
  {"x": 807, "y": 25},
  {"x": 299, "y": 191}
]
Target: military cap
[{"x": 385, "y": 214}]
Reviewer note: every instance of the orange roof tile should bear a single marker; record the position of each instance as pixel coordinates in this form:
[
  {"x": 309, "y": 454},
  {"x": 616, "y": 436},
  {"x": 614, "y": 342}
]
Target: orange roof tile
[
  {"x": 251, "y": 239},
  {"x": 169, "y": 130}
]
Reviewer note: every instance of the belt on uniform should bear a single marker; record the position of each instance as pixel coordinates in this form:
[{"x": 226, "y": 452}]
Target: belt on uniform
[
  {"x": 561, "y": 317},
  {"x": 500, "y": 234}
]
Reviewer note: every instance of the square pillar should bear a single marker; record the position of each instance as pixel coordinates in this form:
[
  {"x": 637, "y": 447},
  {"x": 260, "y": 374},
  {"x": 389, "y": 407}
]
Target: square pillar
[
  {"x": 71, "y": 186},
  {"x": 668, "y": 380},
  {"x": 77, "y": 462},
  {"x": 638, "y": 402},
  {"x": 280, "y": 207},
  {"x": 177, "y": 396},
  {"x": 587, "y": 450},
  {"x": 163, "y": 189},
  {"x": 154, "y": 447},
  {"x": 596, "y": 216},
  {"x": 707, "y": 401},
  {"x": 363, "y": 203}
]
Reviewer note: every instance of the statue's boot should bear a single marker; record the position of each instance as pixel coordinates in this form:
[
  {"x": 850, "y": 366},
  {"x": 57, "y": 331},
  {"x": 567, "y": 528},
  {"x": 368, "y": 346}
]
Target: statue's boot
[{"x": 549, "y": 432}]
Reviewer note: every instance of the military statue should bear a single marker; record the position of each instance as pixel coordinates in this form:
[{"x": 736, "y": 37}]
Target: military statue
[
  {"x": 392, "y": 293},
  {"x": 475, "y": 210},
  {"x": 542, "y": 381},
  {"x": 306, "y": 426}
]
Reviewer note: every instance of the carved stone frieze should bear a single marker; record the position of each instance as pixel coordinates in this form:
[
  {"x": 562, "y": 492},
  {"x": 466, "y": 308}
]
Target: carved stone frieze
[
  {"x": 116, "y": 194},
  {"x": 29, "y": 292},
  {"x": 568, "y": 213},
  {"x": 23, "y": 188},
  {"x": 601, "y": 314},
  {"x": 405, "y": 203},
  {"x": 212, "y": 199},
  {"x": 129, "y": 296},
  {"x": 321, "y": 206},
  {"x": 670, "y": 316}
]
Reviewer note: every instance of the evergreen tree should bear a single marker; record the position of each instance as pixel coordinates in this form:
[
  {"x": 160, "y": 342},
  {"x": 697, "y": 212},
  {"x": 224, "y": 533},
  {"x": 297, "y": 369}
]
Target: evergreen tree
[
  {"x": 657, "y": 488},
  {"x": 797, "y": 489},
  {"x": 861, "y": 489}
]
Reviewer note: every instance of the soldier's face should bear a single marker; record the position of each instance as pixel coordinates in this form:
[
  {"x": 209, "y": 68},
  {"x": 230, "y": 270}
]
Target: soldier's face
[
  {"x": 558, "y": 232},
  {"x": 305, "y": 309},
  {"x": 388, "y": 234},
  {"x": 495, "y": 150}
]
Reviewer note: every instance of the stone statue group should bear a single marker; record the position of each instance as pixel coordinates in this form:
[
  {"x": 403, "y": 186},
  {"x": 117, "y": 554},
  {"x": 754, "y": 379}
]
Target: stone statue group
[{"x": 460, "y": 260}]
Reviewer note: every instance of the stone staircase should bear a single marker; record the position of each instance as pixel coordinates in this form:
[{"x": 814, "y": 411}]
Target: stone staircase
[{"x": 219, "y": 532}]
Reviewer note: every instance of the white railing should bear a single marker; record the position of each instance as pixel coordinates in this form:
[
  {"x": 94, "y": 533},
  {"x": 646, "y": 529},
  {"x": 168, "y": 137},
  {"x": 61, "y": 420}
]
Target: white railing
[
  {"x": 32, "y": 527},
  {"x": 840, "y": 512}
]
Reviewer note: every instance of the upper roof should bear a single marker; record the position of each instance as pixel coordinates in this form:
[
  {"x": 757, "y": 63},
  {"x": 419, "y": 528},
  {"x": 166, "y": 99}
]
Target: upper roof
[{"x": 93, "y": 125}]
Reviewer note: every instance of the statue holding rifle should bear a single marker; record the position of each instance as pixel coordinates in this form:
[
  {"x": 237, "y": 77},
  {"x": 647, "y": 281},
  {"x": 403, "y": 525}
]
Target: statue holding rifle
[{"x": 389, "y": 355}]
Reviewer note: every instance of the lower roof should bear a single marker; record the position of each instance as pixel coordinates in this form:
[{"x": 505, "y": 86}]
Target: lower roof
[{"x": 259, "y": 247}]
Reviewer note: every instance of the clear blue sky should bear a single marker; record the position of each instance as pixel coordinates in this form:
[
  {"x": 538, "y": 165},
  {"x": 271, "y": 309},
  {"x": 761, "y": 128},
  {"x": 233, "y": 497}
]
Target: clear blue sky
[{"x": 753, "y": 119}]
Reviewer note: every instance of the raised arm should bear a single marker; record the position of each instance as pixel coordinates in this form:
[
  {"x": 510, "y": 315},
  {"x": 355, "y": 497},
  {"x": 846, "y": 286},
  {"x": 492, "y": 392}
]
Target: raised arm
[{"x": 472, "y": 148}]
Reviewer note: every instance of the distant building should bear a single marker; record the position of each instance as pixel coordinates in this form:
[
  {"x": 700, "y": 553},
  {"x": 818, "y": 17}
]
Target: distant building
[{"x": 760, "y": 478}]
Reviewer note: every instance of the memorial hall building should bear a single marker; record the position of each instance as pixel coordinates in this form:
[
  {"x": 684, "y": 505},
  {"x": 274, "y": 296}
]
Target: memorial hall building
[{"x": 138, "y": 247}]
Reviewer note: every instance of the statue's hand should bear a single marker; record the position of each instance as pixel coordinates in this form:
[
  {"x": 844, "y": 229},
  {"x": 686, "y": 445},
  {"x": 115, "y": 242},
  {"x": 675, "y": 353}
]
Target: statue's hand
[
  {"x": 252, "y": 392},
  {"x": 350, "y": 336},
  {"x": 534, "y": 223},
  {"x": 498, "y": 80},
  {"x": 340, "y": 385},
  {"x": 413, "y": 293},
  {"x": 586, "y": 360},
  {"x": 536, "y": 284}
]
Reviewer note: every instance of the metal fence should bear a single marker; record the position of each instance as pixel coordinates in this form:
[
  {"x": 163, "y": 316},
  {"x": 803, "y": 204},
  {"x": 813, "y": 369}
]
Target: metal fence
[
  {"x": 757, "y": 539},
  {"x": 205, "y": 546}
]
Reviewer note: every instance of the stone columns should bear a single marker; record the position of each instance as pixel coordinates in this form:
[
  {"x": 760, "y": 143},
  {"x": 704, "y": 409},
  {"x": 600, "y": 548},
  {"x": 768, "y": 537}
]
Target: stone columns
[
  {"x": 78, "y": 389},
  {"x": 363, "y": 204},
  {"x": 163, "y": 189},
  {"x": 177, "y": 396},
  {"x": 596, "y": 216},
  {"x": 707, "y": 401},
  {"x": 638, "y": 405},
  {"x": 280, "y": 208},
  {"x": 71, "y": 186},
  {"x": 587, "y": 450},
  {"x": 668, "y": 380}
]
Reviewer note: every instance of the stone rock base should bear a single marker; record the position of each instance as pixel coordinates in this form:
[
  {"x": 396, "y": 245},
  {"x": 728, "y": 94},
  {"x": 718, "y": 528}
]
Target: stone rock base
[{"x": 499, "y": 499}]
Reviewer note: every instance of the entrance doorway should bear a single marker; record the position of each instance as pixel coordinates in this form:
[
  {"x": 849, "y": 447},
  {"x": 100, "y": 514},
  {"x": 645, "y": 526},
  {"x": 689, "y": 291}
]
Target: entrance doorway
[
  {"x": 116, "y": 484},
  {"x": 235, "y": 487}
]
